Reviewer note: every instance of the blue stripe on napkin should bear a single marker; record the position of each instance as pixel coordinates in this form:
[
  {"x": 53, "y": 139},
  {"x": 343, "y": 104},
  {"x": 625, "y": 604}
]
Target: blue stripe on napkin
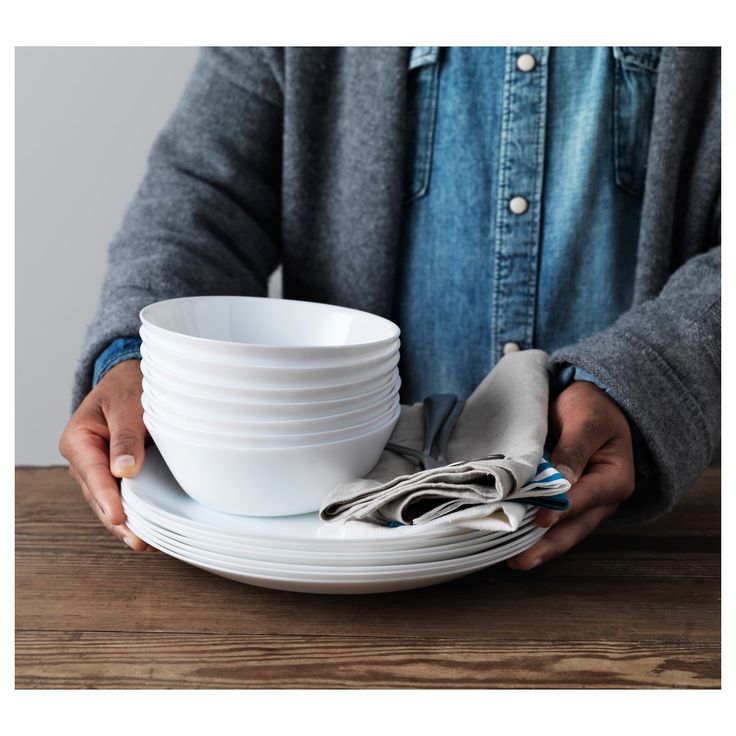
[{"x": 546, "y": 474}]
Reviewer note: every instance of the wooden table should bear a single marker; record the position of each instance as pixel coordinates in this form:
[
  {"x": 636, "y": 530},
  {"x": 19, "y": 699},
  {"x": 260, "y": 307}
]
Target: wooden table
[{"x": 640, "y": 609}]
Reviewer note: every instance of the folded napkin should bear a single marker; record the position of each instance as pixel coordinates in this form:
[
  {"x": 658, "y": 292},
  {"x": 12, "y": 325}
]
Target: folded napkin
[{"x": 506, "y": 415}]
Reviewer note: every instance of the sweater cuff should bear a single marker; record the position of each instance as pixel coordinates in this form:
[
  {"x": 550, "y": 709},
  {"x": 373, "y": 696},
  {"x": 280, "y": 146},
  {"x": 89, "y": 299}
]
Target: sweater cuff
[
  {"x": 124, "y": 348},
  {"x": 567, "y": 373}
]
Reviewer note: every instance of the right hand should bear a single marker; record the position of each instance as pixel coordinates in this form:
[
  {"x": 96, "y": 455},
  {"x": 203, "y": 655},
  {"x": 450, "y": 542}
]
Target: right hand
[{"x": 104, "y": 441}]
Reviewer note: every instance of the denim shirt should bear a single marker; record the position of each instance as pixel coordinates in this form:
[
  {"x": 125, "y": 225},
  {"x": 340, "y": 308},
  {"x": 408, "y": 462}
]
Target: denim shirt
[
  {"x": 523, "y": 185},
  {"x": 523, "y": 188}
]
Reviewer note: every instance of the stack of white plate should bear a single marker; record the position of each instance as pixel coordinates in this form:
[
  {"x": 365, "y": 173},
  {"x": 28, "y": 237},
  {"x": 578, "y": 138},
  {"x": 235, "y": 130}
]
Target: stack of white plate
[
  {"x": 261, "y": 406},
  {"x": 291, "y": 553}
]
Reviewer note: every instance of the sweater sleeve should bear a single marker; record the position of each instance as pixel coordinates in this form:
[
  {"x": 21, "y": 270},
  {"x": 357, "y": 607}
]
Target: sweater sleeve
[
  {"x": 205, "y": 219},
  {"x": 662, "y": 360}
]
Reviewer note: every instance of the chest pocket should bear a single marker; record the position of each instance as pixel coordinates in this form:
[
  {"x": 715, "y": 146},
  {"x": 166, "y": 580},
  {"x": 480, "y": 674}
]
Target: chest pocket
[
  {"x": 422, "y": 91},
  {"x": 634, "y": 87}
]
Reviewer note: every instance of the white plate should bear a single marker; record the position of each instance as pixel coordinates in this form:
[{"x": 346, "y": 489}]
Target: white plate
[
  {"x": 155, "y": 491},
  {"x": 404, "y": 543},
  {"x": 155, "y": 488},
  {"x": 195, "y": 542},
  {"x": 355, "y": 583},
  {"x": 336, "y": 572}
]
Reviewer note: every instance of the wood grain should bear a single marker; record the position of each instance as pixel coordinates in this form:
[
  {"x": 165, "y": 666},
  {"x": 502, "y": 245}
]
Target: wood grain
[
  {"x": 624, "y": 609},
  {"x": 113, "y": 659}
]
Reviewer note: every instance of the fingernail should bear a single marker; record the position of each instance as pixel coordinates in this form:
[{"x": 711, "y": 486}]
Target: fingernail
[
  {"x": 536, "y": 563},
  {"x": 123, "y": 464},
  {"x": 129, "y": 541}
]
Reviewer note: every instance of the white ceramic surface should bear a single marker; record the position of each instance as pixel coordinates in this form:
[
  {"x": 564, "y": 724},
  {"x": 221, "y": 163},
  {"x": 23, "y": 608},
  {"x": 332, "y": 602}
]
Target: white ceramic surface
[
  {"x": 163, "y": 344},
  {"x": 193, "y": 541},
  {"x": 354, "y": 583},
  {"x": 155, "y": 494},
  {"x": 285, "y": 395},
  {"x": 394, "y": 546},
  {"x": 404, "y": 548},
  {"x": 268, "y": 331},
  {"x": 268, "y": 481},
  {"x": 206, "y": 438},
  {"x": 197, "y": 369},
  {"x": 237, "y": 411},
  {"x": 330, "y": 571},
  {"x": 265, "y": 433}
]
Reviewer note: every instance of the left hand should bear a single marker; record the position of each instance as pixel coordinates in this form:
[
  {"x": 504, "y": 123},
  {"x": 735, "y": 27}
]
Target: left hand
[{"x": 594, "y": 452}]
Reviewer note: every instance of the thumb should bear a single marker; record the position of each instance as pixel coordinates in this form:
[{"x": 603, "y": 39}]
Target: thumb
[
  {"x": 127, "y": 437},
  {"x": 577, "y": 442}
]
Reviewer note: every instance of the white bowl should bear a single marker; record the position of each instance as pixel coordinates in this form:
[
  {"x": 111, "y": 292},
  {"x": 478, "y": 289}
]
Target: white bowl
[
  {"x": 268, "y": 482},
  {"x": 230, "y": 410},
  {"x": 286, "y": 395},
  {"x": 172, "y": 412},
  {"x": 267, "y": 331},
  {"x": 164, "y": 346},
  {"x": 267, "y": 377},
  {"x": 203, "y": 435}
]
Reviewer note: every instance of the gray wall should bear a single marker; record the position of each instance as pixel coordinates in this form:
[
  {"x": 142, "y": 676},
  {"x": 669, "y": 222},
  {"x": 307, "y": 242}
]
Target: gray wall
[{"x": 85, "y": 119}]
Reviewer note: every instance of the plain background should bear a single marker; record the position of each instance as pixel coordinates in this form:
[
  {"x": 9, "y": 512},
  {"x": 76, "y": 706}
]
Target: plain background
[{"x": 85, "y": 120}]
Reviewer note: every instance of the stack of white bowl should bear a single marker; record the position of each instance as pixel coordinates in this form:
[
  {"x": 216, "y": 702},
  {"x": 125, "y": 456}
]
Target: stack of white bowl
[{"x": 261, "y": 406}]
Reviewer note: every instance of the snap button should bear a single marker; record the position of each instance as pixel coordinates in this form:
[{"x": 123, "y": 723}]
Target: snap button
[
  {"x": 511, "y": 347},
  {"x": 526, "y": 62},
  {"x": 518, "y": 205}
]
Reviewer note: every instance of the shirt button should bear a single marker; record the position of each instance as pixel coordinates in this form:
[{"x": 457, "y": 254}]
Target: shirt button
[
  {"x": 526, "y": 62},
  {"x": 518, "y": 205},
  {"x": 511, "y": 347}
]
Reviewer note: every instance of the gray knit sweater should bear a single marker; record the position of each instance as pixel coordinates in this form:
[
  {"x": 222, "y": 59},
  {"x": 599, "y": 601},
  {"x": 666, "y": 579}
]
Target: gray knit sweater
[{"x": 294, "y": 156}]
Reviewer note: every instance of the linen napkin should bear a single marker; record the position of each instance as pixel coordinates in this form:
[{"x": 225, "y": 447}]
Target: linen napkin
[{"x": 506, "y": 415}]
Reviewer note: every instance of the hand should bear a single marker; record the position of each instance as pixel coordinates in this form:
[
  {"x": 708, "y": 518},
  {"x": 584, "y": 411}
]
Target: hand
[
  {"x": 104, "y": 441},
  {"x": 594, "y": 452}
]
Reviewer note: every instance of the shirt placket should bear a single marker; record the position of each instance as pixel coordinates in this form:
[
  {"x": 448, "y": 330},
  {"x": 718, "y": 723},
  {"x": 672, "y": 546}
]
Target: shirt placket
[{"x": 519, "y": 200}]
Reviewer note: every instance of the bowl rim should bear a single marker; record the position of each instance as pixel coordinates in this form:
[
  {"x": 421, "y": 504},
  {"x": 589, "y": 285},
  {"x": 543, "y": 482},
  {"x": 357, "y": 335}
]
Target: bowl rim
[
  {"x": 268, "y": 396},
  {"x": 387, "y": 412},
  {"x": 152, "y": 340},
  {"x": 375, "y": 373},
  {"x": 145, "y": 312},
  {"x": 389, "y": 397},
  {"x": 244, "y": 448},
  {"x": 384, "y": 389},
  {"x": 367, "y": 363}
]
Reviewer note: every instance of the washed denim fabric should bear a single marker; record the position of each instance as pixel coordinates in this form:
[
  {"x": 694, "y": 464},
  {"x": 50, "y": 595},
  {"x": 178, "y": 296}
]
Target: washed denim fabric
[
  {"x": 570, "y": 136},
  {"x": 124, "y": 348}
]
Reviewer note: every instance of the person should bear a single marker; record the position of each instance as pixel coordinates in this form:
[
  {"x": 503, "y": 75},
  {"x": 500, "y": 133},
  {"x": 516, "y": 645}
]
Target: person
[{"x": 487, "y": 199}]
